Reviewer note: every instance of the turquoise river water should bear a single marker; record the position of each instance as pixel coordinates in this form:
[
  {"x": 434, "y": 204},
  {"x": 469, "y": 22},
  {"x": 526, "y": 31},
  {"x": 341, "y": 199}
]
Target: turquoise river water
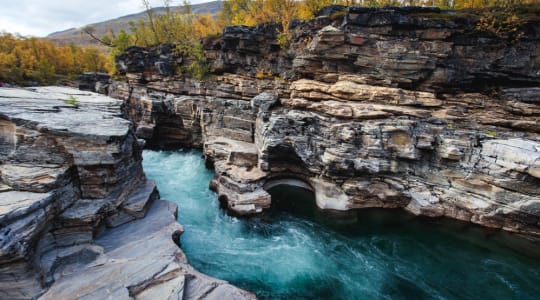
[{"x": 297, "y": 252}]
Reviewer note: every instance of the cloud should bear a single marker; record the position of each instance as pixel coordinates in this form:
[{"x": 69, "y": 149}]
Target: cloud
[{"x": 40, "y": 18}]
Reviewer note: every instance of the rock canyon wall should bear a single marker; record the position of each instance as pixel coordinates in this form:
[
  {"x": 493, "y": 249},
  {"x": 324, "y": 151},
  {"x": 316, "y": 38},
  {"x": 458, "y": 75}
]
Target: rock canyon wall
[
  {"x": 78, "y": 218},
  {"x": 397, "y": 107},
  {"x": 410, "y": 108}
]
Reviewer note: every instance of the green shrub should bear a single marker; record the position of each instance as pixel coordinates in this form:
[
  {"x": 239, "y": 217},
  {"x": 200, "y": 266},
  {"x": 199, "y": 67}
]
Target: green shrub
[{"x": 72, "y": 101}]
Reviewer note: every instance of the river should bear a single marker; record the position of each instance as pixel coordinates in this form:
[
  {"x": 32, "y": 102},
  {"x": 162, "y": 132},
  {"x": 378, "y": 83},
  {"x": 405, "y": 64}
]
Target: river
[{"x": 295, "y": 251}]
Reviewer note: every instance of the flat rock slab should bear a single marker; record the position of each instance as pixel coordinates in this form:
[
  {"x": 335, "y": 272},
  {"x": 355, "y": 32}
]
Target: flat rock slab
[
  {"x": 15, "y": 203},
  {"x": 63, "y": 110},
  {"x": 236, "y": 145},
  {"x": 84, "y": 212},
  {"x": 34, "y": 178},
  {"x": 140, "y": 260},
  {"x": 136, "y": 206}
]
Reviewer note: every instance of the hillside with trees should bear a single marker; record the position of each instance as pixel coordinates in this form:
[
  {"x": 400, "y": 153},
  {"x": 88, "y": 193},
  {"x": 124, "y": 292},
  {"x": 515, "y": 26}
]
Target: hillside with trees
[
  {"x": 185, "y": 29},
  {"x": 34, "y": 61},
  {"x": 169, "y": 24},
  {"x": 74, "y": 36},
  {"x": 27, "y": 61}
]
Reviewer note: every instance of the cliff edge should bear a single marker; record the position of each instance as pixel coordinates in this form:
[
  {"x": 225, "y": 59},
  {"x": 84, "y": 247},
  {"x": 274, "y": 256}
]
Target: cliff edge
[{"x": 370, "y": 107}]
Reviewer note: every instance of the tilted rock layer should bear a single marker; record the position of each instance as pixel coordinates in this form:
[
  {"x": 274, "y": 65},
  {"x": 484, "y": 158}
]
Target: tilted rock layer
[
  {"x": 78, "y": 218},
  {"x": 412, "y": 108}
]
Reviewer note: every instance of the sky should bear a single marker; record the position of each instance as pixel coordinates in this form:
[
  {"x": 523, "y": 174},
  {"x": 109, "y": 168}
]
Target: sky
[{"x": 42, "y": 17}]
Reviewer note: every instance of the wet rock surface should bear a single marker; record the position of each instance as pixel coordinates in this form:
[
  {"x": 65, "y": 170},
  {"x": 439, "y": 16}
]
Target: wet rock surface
[
  {"x": 392, "y": 107},
  {"x": 78, "y": 217}
]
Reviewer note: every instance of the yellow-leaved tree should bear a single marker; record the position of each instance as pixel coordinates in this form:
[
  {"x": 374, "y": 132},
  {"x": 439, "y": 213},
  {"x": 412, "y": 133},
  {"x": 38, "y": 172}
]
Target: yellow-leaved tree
[{"x": 29, "y": 61}]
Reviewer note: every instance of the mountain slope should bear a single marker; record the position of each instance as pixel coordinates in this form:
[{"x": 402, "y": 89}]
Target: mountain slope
[{"x": 74, "y": 36}]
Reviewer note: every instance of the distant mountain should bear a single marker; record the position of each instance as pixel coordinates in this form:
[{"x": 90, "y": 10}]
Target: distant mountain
[{"x": 74, "y": 36}]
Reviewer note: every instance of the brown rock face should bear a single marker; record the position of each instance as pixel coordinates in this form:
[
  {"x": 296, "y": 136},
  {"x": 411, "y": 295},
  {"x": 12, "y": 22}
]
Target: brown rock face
[{"x": 410, "y": 108}]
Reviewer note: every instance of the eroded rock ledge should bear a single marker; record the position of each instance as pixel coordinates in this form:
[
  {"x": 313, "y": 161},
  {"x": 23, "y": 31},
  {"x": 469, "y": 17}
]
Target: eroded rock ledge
[
  {"x": 78, "y": 218},
  {"x": 412, "y": 108}
]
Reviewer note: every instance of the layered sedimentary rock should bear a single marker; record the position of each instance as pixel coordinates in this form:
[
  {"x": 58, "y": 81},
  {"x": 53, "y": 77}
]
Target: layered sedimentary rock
[
  {"x": 78, "y": 218},
  {"x": 94, "y": 82},
  {"x": 412, "y": 108}
]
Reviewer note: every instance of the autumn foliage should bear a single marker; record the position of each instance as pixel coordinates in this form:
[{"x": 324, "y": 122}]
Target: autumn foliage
[
  {"x": 184, "y": 28},
  {"x": 37, "y": 61},
  {"x": 252, "y": 12},
  {"x": 31, "y": 61}
]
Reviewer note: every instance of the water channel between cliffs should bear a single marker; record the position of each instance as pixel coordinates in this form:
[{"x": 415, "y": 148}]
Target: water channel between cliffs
[{"x": 296, "y": 252}]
